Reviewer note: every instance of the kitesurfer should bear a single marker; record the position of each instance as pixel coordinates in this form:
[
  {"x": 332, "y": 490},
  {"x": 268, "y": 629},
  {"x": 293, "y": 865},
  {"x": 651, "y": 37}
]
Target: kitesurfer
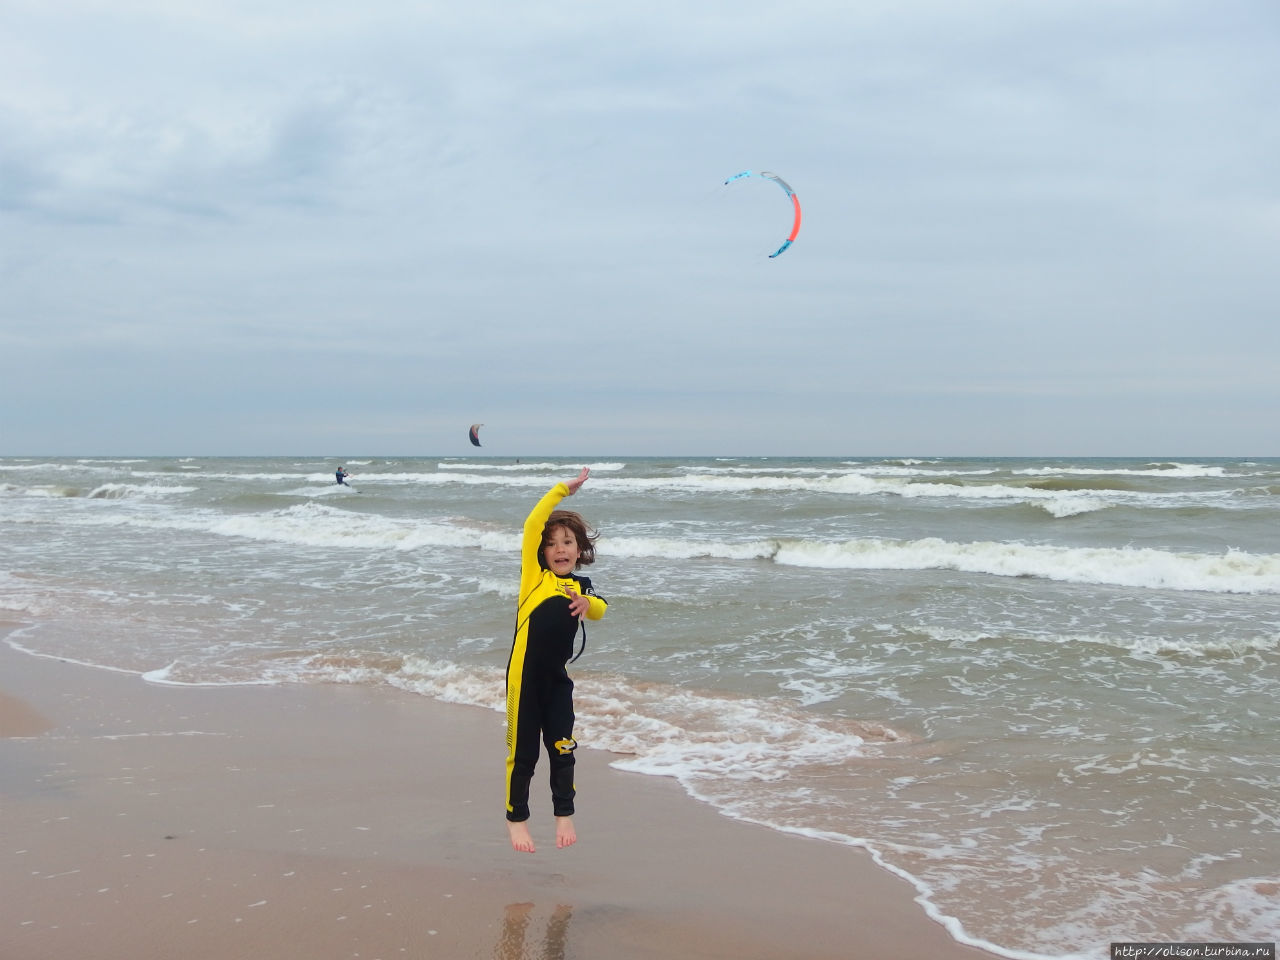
[
  {"x": 340, "y": 476},
  {"x": 552, "y": 602}
]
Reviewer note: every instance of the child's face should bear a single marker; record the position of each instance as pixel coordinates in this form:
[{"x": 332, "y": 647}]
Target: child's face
[{"x": 560, "y": 550}]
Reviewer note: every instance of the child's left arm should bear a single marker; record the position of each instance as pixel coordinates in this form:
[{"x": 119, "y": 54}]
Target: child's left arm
[
  {"x": 596, "y": 606},
  {"x": 587, "y": 605}
]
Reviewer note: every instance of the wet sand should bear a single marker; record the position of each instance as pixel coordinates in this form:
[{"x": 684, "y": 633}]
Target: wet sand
[{"x": 144, "y": 821}]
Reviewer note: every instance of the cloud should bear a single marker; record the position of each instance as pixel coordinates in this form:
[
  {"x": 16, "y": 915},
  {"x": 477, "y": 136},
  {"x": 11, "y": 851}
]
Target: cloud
[{"x": 1008, "y": 207}]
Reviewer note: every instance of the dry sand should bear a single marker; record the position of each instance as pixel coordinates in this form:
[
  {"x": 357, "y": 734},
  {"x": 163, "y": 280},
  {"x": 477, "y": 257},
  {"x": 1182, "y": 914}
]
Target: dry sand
[{"x": 139, "y": 821}]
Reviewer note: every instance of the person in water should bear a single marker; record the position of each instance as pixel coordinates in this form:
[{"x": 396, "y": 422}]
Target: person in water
[
  {"x": 553, "y": 599},
  {"x": 340, "y": 476}
]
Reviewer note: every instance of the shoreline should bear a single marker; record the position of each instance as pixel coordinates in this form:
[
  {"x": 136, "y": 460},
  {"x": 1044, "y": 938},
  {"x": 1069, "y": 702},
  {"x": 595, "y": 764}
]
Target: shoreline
[{"x": 343, "y": 821}]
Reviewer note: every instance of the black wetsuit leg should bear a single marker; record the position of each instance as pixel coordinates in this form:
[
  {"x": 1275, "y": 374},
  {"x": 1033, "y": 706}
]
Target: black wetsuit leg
[
  {"x": 526, "y": 754},
  {"x": 557, "y": 735}
]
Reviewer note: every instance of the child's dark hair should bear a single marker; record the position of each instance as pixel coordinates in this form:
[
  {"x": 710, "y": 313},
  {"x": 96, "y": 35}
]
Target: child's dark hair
[{"x": 574, "y": 523}]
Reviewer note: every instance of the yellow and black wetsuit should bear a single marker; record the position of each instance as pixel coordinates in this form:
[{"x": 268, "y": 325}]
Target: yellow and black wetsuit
[{"x": 539, "y": 691}]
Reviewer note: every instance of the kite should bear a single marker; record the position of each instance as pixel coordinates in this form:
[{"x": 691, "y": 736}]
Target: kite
[
  {"x": 475, "y": 434},
  {"x": 795, "y": 203}
]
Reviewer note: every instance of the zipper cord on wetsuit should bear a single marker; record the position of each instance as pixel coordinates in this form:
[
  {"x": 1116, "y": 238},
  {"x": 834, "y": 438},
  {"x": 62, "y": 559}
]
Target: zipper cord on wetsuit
[{"x": 584, "y": 641}]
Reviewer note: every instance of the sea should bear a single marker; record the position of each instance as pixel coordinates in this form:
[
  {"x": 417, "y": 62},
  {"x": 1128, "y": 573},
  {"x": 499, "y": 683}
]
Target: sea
[{"x": 1041, "y": 690}]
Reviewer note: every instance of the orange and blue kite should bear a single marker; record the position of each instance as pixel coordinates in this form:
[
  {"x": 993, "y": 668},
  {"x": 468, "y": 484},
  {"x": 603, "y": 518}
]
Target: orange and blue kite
[{"x": 795, "y": 203}]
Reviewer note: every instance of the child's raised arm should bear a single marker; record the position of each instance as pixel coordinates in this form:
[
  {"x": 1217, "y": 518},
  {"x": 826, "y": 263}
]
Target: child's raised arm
[{"x": 578, "y": 481}]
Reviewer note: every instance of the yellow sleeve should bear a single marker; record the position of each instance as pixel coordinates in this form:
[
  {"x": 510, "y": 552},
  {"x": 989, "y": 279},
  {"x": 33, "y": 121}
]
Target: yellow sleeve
[
  {"x": 531, "y": 541},
  {"x": 597, "y": 607}
]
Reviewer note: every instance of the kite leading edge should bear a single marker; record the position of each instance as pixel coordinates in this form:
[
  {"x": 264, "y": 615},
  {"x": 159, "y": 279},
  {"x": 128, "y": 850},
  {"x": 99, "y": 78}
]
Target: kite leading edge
[{"x": 795, "y": 204}]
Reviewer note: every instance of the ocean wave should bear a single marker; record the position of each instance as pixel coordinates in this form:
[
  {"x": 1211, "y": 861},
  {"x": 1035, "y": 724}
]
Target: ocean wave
[
  {"x": 1075, "y": 483},
  {"x": 326, "y": 477},
  {"x": 1225, "y": 648},
  {"x": 255, "y": 477},
  {"x": 459, "y": 475},
  {"x": 22, "y": 596},
  {"x": 1057, "y": 491},
  {"x": 544, "y": 465},
  {"x": 860, "y": 484},
  {"x": 902, "y": 469},
  {"x": 1230, "y": 572},
  {"x": 1250, "y": 906},
  {"x": 104, "y": 491},
  {"x": 319, "y": 525},
  {"x": 1108, "y": 477},
  {"x": 1229, "y": 647},
  {"x": 1074, "y": 506},
  {"x": 512, "y": 467},
  {"x": 44, "y": 490},
  {"x": 675, "y": 548},
  {"x": 1162, "y": 470},
  {"x": 121, "y": 491},
  {"x": 9, "y": 465},
  {"x": 701, "y": 480}
]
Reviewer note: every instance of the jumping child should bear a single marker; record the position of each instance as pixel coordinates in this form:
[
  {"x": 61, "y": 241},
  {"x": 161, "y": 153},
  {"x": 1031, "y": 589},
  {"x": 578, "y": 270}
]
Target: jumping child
[{"x": 553, "y": 600}]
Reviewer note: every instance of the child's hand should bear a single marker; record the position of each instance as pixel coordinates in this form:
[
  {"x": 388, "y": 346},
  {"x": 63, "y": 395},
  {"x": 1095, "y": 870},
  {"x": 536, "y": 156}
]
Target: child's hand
[
  {"x": 578, "y": 604},
  {"x": 578, "y": 481}
]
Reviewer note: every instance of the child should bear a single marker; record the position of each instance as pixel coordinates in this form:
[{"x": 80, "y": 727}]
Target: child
[{"x": 553, "y": 599}]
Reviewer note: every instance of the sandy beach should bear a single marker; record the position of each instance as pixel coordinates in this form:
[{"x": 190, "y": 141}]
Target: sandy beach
[{"x": 140, "y": 820}]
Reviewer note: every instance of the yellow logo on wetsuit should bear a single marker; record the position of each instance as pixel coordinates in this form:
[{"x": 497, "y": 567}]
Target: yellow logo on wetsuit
[{"x": 566, "y": 746}]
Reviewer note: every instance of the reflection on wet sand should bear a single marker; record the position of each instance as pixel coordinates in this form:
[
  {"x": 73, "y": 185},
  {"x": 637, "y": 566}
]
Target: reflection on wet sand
[{"x": 515, "y": 922}]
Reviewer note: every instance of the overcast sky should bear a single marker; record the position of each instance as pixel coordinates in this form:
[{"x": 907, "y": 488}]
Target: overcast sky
[{"x": 1032, "y": 227}]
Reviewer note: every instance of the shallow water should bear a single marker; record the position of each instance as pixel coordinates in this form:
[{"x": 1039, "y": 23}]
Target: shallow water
[{"x": 1041, "y": 690}]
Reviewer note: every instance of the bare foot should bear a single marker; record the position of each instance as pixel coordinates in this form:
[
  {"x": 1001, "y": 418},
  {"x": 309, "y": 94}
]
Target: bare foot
[
  {"x": 520, "y": 839},
  {"x": 566, "y": 835}
]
